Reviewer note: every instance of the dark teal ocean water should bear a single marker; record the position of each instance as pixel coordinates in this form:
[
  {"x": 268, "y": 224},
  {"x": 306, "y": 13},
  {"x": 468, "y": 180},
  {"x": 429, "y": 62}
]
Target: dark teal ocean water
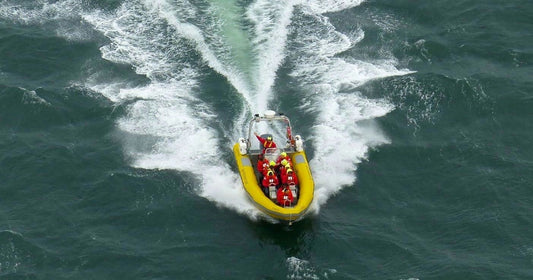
[{"x": 117, "y": 120}]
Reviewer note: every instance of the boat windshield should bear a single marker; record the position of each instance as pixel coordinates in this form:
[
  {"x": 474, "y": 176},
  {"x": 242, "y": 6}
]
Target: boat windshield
[
  {"x": 270, "y": 124},
  {"x": 272, "y": 154}
]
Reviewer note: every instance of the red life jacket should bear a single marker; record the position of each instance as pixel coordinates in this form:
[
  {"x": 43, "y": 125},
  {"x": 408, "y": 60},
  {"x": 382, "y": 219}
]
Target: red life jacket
[
  {"x": 289, "y": 179},
  {"x": 285, "y": 196},
  {"x": 260, "y": 166},
  {"x": 269, "y": 144},
  {"x": 270, "y": 181},
  {"x": 265, "y": 166}
]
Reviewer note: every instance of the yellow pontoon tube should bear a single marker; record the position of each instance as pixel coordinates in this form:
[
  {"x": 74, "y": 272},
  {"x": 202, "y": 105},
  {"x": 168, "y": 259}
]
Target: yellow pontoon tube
[
  {"x": 265, "y": 204},
  {"x": 246, "y": 160}
]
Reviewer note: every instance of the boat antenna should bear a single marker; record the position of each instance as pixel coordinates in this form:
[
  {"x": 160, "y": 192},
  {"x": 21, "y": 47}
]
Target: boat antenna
[{"x": 290, "y": 214}]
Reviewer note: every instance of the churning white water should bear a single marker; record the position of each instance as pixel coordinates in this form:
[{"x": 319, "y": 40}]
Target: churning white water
[{"x": 168, "y": 126}]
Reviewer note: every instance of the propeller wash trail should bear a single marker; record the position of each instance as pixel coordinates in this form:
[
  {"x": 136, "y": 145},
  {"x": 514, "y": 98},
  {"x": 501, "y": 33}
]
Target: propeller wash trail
[
  {"x": 340, "y": 141},
  {"x": 167, "y": 125},
  {"x": 157, "y": 38},
  {"x": 169, "y": 42}
]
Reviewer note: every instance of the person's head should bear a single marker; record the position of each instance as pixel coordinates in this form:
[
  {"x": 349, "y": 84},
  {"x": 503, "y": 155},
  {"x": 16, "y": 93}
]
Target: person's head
[
  {"x": 284, "y": 162},
  {"x": 270, "y": 173},
  {"x": 284, "y": 154},
  {"x": 269, "y": 138},
  {"x": 289, "y": 171},
  {"x": 272, "y": 163},
  {"x": 260, "y": 156}
]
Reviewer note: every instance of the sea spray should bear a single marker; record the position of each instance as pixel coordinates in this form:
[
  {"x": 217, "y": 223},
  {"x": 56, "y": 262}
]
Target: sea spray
[
  {"x": 166, "y": 113},
  {"x": 339, "y": 140},
  {"x": 166, "y": 124}
]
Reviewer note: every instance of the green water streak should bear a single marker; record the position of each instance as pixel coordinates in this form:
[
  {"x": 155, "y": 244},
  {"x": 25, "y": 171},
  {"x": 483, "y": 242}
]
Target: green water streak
[{"x": 235, "y": 36}]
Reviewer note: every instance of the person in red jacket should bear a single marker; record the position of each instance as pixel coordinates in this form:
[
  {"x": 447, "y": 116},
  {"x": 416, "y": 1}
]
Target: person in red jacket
[
  {"x": 270, "y": 180},
  {"x": 266, "y": 142},
  {"x": 283, "y": 156},
  {"x": 285, "y": 197},
  {"x": 282, "y": 168},
  {"x": 260, "y": 164},
  {"x": 289, "y": 178}
]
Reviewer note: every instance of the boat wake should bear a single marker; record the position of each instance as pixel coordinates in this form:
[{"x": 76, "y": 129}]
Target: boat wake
[
  {"x": 171, "y": 44},
  {"x": 343, "y": 131}
]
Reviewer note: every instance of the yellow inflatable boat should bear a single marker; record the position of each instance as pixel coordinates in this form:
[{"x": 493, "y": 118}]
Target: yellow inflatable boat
[{"x": 266, "y": 198}]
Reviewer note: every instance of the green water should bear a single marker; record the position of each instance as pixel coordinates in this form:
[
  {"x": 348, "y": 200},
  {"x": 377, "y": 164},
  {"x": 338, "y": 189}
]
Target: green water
[{"x": 116, "y": 125}]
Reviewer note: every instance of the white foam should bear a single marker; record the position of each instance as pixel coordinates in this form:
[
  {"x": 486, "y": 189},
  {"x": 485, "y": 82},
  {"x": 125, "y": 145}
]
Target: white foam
[
  {"x": 31, "y": 97},
  {"x": 271, "y": 20},
  {"x": 62, "y": 17},
  {"x": 225, "y": 189},
  {"x": 300, "y": 269},
  {"x": 327, "y": 6},
  {"x": 195, "y": 35},
  {"x": 167, "y": 126},
  {"x": 339, "y": 139},
  {"x": 38, "y": 12}
]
